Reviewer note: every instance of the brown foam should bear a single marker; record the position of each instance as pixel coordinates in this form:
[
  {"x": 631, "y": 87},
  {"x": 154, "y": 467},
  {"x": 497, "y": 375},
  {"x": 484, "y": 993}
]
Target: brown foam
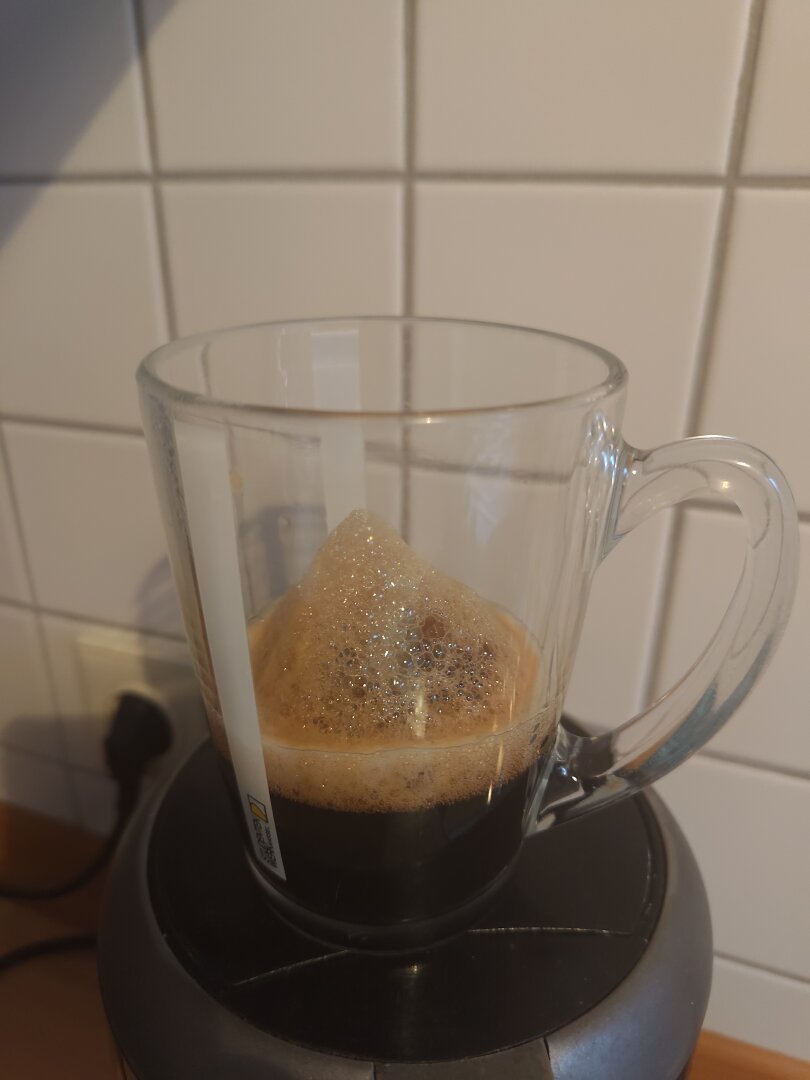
[{"x": 382, "y": 683}]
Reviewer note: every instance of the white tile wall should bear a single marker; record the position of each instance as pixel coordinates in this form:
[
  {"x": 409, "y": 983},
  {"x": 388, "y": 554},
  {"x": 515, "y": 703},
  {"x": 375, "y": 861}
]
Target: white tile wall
[
  {"x": 91, "y": 525},
  {"x": 749, "y": 829},
  {"x": 28, "y": 719},
  {"x": 79, "y": 299},
  {"x": 498, "y": 563},
  {"x": 243, "y": 252},
  {"x": 608, "y": 680},
  {"x": 37, "y": 783},
  {"x": 778, "y": 136},
  {"x": 760, "y": 355},
  {"x": 13, "y": 576},
  {"x": 564, "y": 165},
  {"x": 71, "y": 92},
  {"x": 622, "y": 266},
  {"x": 577, "y": 86},
  {"x": 82, "y": 746},
  {"x": 309, "y": 84},
  {"x": 770, "y": 727},
  {"x": 760, "y": 1007},
  {"x": 79, "y": 731}
]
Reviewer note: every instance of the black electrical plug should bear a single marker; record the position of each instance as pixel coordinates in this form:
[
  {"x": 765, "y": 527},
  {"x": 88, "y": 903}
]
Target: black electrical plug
[{"x": 139, "y": 732}]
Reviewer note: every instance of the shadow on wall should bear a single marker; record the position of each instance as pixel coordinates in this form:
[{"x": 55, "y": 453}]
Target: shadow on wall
[
  {"x": 158, "y": 606},
  {"x": 277, "y": 542},
  {"x": 47, "y": 46},
  {"x": 72, "y": 737}
]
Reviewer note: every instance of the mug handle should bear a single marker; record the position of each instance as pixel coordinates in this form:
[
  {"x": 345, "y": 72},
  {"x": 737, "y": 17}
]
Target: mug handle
[{"x": 586, "y": 772}]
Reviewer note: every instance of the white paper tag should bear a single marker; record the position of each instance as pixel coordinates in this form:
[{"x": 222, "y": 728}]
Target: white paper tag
[{"x": 205, "y": 473}]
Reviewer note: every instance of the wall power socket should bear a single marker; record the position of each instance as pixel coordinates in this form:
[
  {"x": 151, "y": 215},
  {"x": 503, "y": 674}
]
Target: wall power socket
[{"x": 112, "y": 662}]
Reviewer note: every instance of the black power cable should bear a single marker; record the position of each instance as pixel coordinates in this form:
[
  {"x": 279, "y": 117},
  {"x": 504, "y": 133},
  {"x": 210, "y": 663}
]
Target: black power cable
[
  {"x": 139, "y": 731},
  {"x": 47, "y": 947},
  {"x": 127, "y": 799}
]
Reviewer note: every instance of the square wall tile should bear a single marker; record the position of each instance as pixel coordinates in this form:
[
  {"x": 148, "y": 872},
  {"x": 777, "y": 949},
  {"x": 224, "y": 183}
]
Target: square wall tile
[
  {"x": 770, "y": 727},
  {"x": 617, "y": 635},
  {"x": 81, "y": 732},
  {"x": 36, "y": 783},
  {"x": 748, "y": 830},
  {"x": 759, "y": 376},
  {"x": 577, "y": 86},
  {"x": 28, "y": 719},
  {"x": 287, "y": 84},
  {"x": 777, "y": 138},
  {"x": 80, "y": 300},
  {"x": 623, "y": 267},
  {"x": 245, "y": 252},
  {"x": 70, "y": 84},
  {"x": 497, "y": 535},
  {"x": 92, "y": 526},
  {"x": 13, "y": 575},
  {"x": 760, "y": 1007},
  {"x": 486, "y": 531}
]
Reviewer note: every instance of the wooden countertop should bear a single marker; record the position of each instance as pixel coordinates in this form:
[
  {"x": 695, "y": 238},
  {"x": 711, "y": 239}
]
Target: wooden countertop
[{"x": 52, "y": 1021}]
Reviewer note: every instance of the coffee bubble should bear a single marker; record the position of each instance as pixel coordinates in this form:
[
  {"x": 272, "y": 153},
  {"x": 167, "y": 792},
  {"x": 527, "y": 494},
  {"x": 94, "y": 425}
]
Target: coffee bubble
[{"x": 383, "y": 683}]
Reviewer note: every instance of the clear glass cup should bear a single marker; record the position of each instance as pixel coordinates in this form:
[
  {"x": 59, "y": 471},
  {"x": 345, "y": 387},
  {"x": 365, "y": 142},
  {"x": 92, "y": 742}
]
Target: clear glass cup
[{"x": 383, "y": 533}]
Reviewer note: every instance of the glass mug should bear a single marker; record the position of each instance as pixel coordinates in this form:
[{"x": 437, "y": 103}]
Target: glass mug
[{"x": 383, "y": 533}]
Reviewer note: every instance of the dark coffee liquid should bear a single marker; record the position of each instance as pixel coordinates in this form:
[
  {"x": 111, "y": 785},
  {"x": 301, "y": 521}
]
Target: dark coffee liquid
[
  {"x": 402, "y": 722},
  {"x": 390, "y": 867}
]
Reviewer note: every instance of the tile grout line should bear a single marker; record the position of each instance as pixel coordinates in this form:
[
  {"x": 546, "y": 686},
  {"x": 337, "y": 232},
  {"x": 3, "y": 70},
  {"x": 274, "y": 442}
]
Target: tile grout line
[
  {"x": 70, "y": 766},
  {"x": 755, "y": 182},
  {"x": 38, "y": 755},
  {"x": 156, "y": 184},
  {"x": 202, "y": 176},
  {"x": 708, "y": 327},
  {"x": 406, "y": 254},
  {"x": 409, "y": 45},
  {"x": 774, "y": 183},
  {"x": 16, "y": 516},
  {"x": 569, "y": 176},
  {"x": 39, "y": 626},
  {"x": 89, "y": 427},
  {"x": 801, "y": 979},
  {"x": 69, "y": 179},
  {"x": 723, "y": 509},
  {"x": 594, "y": 178},
  {"x": 726, "y": 509},
  {"x": 95, "y": 620},
  {"x": 749, "y": 763},
  {"x": 164, "y": 283}
]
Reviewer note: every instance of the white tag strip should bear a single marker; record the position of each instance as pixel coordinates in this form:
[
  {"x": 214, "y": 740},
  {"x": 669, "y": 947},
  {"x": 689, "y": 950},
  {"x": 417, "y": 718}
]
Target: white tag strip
[
  {"x": 205, "y": 472},
  {"x": 336, "y": 385}
]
